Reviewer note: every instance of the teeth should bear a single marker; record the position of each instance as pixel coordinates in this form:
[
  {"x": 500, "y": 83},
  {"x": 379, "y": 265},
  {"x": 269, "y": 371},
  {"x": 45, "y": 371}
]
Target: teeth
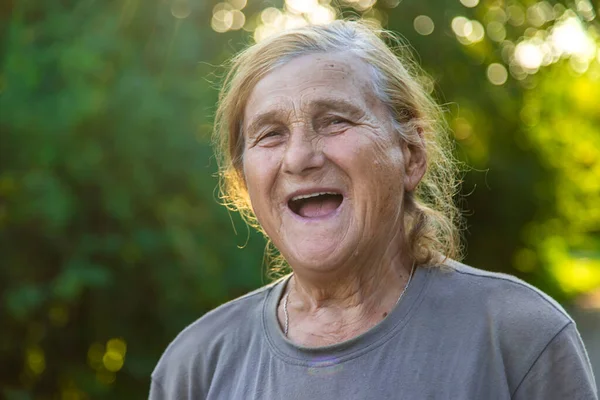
[{"x": 307, "y": 196}]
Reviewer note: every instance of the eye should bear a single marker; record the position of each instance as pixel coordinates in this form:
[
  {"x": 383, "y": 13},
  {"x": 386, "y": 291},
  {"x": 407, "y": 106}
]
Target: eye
[
  {"x": 333, "y": 123},
  {"x": 270, "y": 138},
  {"x": 270, "y": 134},
  {"x": 333, "y": 120},
  {"x": 336, "y": 121}
]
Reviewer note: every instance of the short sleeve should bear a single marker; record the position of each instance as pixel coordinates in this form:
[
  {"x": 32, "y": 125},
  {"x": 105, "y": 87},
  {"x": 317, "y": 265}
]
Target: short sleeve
[{"x": 562, "y": 371}]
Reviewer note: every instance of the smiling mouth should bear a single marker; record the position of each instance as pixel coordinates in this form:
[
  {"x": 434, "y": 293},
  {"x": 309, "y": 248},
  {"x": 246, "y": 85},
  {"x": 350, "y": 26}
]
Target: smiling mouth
[{"x": 315, "y": 205}]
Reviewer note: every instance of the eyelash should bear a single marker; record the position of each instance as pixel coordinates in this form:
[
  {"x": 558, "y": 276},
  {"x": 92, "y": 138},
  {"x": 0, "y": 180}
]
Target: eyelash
[
  {"x": 334, "y": 121},
  {"x": 337, "y": 120},
  {"x": 268, "y": 135}
]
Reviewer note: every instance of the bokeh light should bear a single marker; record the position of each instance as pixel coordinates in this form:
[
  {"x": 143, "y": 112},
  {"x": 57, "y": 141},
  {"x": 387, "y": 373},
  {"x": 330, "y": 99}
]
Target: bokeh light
[
  {"x": 496, "y": 31},
  {"x": 424, "y": 25},
  {"x": 462, "y": 128},
  {"x": 577, "y": 274},
  {"x": 109, "y": 358},
  {"x": 321, "y": 15},
  {"x": 362, "y": 5},
  {"x": 459, "y": 26},
  {"x": 516, "y": 15},
  {"x": 529, "y": 56},
  {"x": 517, "y": 71},
  {"x": 477, "y": 32},
  {"x": 296, "y": 13},
  {"x": 223, "y": 6},
  {"x": 569, "y": 38},
  {"x": 497, "y": 74},
  {"x": 467, "y": 31},
  {"x": 222, "y": 21},
  {"x": 117, "y": 345},
  {"x": 227, "y": 16},
  {"x": 238, "y": 4},
  {"x": 270, "y": 15},
  {"x": 238, "y": 20},
  {"x": 301, "y": 6},
  {"x": 390, "y": 3},
  {"x": 586, "y": 9},
  {"x": 469, "y": 3},
  {"x": 181, "y": 9},
  {"x": 497, "y": 14},
  {"x": 112, "y": 361},
  {"x": 566, "y": 39},
  {"x": 35, "y": 360},
  {"x": 95, "y": 354},
  {"x": 540, "y": 13}
]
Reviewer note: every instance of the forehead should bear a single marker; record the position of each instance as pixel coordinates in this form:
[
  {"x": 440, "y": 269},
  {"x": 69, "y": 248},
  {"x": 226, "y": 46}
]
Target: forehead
[{"x": 310, "y": 78}]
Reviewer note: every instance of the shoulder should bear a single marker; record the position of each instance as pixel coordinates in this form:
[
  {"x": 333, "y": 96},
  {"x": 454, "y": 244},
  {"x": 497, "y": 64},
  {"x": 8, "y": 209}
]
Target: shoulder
[
  {"x": 503, "y": 296},
  {"x": 207, "y": 341},
  {"x": 499, "y": 313}
]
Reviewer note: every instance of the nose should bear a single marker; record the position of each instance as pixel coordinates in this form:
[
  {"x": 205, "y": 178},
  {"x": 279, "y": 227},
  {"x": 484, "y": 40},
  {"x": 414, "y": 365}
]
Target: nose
[{"x": 303, "y": 152}]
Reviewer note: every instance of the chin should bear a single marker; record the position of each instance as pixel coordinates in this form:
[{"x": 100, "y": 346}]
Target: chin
[{"x": 319, "y": 256}]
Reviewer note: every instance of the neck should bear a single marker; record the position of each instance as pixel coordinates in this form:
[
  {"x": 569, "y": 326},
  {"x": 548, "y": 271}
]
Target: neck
[{"x": 360, "y": 288}]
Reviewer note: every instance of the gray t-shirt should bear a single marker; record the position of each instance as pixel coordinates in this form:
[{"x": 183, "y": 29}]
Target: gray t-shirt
[{"x": 461, "y": 333}]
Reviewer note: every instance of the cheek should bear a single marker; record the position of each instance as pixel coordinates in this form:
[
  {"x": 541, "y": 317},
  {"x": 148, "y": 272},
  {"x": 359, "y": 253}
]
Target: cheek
[
  {"x": 376, "y": 169},
  {"x": 374, "y": 158},
  {"x": 260, "y": 171},
  {"x": 253, "y": 180},
  {"x": 392, "y": 176}
]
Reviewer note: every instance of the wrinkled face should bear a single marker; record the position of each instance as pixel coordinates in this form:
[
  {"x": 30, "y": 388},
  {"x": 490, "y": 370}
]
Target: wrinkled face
[{"x": 324, "y": 168}]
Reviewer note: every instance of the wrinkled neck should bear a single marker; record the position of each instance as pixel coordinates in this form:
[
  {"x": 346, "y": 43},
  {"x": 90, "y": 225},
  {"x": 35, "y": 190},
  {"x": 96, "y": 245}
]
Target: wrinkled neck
[{"x": 360, "y": 286}]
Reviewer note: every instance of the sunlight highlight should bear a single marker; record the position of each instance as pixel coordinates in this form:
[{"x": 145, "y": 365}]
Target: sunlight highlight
[
  {"x": 227, "y": 16},
  {"x": 566, "y": 39},
  {"x": 301, "y": 6},
  {"x": 296, "y": 13},
  {"x": 569, "y": 38},
  {"x": 467, "y": 31},
  {"x": 529, "y": 55}
]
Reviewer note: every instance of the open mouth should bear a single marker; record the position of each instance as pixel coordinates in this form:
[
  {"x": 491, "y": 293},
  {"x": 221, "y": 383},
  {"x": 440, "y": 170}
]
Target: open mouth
[{"x": 316, "y": 204}]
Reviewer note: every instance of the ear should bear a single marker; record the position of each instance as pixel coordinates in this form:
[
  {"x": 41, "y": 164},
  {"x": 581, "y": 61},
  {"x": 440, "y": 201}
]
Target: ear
[{"x": 415, "y": 163}]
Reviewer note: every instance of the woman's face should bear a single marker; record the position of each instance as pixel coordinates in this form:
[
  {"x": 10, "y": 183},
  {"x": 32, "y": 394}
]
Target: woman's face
[{"x": 324, "y": 168}]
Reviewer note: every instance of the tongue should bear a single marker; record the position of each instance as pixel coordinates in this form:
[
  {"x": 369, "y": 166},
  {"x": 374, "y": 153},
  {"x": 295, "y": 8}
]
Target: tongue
[{"x": 318, "y": 206}]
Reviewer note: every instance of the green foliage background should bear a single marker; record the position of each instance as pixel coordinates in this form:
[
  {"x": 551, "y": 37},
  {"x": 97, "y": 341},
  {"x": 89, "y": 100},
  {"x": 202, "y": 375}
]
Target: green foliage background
[{"x": 111, "y": 238}]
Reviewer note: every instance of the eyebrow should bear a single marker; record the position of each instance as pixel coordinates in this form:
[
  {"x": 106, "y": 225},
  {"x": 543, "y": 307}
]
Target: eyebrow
[
  {"x": 337, "y": 104},
  {"x": 262, "y": 119},
  {"x": 334, "y": 104}
]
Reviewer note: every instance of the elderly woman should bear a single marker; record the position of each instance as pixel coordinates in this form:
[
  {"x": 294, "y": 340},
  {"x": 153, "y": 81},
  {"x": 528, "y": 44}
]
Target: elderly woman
[{"x": 334, "y": 150}]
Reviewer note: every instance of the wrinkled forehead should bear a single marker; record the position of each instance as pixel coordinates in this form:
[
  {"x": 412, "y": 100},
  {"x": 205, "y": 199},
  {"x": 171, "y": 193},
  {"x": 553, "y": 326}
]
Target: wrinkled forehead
[{"x": 311, "y": 78}]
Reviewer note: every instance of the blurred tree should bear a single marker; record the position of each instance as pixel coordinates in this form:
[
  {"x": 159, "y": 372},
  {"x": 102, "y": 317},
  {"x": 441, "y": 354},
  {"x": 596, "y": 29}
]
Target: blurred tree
[
  {"x": 109, "y": 227},
  {"x": 111, "y": 239}
]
